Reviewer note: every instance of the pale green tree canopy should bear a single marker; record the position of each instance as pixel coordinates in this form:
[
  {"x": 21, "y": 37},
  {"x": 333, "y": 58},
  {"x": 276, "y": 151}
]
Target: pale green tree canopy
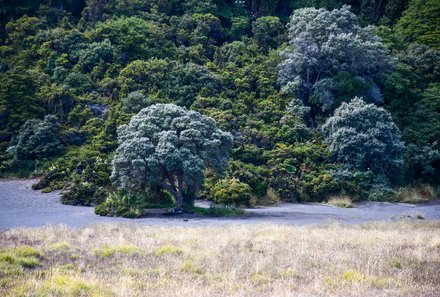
[
  {"x": 169, "y": 146},
  {"x": 323, "y": 44},
  {"x": 364, "y": 136}
]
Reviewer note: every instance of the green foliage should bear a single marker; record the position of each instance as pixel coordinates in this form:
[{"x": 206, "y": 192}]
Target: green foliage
[
  {"x": 422, "y": 164},
  {"x": 322, "y": 44},
  {"x": 134, "y": 102},
  {"x": 96, "y": 53},
  {"x": 143, "y": 75},
  {"x": 364, "y": 137},
  {"x": 268, "y": 32},
  {"x": 21, "y": 31},
  {"x": 90, "y": 180},
  {"x": 37, "y": 139},
  {"x": 134, "y": 37},
  {"x": 17, "y": 100},
  {"x": 240, "y": 26},
  {"x": 135, "y": 204},
  {"x": 381, "y": 192},
  {"x": 18, "y": 168},
  {"x": 424, "y": 121},
  {"x": 168, "y": 146},
  {"x": 129, "y": 206},
  {"x": 255, "y": 176},
  {"x": 231, "y": 192},
  {"x": 83, "y": 193},
  {"x": 199, "y": 29},
  {"x": 93, "y": 64},
  {"x": 421, "y": 23},
  {"x": 78, "y": 168}
]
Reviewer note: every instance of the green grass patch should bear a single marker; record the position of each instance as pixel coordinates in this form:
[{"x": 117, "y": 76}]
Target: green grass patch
[
  {"x": 108, "y": 251},
  {"x": 9, "y": 269},
  {"x": 167, "y": 250},
  {"x": 66, "y": 285},
  {"x": 59, "y": 247},
  {"x": 23, "y": 256}
]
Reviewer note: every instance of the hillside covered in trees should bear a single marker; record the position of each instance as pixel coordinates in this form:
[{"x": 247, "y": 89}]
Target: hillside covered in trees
[{"x": 128, "y": 104}]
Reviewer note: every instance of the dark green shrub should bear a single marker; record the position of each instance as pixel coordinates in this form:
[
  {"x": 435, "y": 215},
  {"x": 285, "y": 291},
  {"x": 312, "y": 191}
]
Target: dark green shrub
[
  {"x": 219, "y": 211},
  {"x": 299, "y": 172},
  {"x": 51, "y": 180},
  {"x": 134, "y": 205},
  {"x": 134, "y": 102},
  {"x": 422, "y": 163},
  {"x": 255, "y": 176},
  {"x": 84, "y": 171},
  {"x": 118, "y": 204},
  {"x": 381, "y": 192},
  {"x": 37, "y": 139},
  {"x": 376, "y": 187},
  {"x": 17, "y": 168},
  {"x": 84, "y": 193}
]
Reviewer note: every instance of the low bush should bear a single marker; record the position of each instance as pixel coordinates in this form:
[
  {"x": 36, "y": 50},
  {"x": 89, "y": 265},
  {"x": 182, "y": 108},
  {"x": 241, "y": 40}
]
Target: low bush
[
  {"x": 84, "y": 193},
  {"x": 133, "y": 205},
  {"x": 257, "y": 177},
  {"x": 17, "y": 168},
  {"x": 381, "y": 192},
  {"x": 219, "y": 211},
  {"x": 231, "y": 192},
  {"x": 37, "y": 139},
  {"x": 83, "y": 164},
  {"x": 123, "y": 205}
]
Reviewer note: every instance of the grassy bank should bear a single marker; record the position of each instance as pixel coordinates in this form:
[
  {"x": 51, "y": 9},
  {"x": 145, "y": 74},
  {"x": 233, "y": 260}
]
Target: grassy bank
[{"x": 384, "y": 259}]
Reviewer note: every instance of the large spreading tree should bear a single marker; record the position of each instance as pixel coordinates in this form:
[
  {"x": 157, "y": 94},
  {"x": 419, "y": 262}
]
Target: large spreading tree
[
  {"x": 168, "y": 146},
  {"x": 328, "y": 53}
]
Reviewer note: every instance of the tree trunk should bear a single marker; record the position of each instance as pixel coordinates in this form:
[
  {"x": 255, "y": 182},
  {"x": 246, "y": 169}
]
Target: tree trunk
[
  {"x": 175, "y": 190},
  {"x": 179, "y": 193},
  {"x": 179, "y": 201}
]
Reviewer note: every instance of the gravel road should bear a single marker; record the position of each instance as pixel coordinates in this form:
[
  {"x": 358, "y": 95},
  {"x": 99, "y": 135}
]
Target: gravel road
[{"x": 20, "y": 206}]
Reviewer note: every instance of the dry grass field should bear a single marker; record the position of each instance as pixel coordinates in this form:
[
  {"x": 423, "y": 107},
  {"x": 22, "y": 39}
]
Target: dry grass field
[{"x": 380, "y": 259}]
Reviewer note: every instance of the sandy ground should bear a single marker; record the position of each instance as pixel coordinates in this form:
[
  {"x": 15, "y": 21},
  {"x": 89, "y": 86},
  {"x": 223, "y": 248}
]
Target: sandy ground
[{"x": 20, "y": 206}]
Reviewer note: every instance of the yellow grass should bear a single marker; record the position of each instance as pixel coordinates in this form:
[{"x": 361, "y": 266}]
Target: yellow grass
[
  {"x": 416, "y": 194},
  {"x": 342, "y": 201},
  {"x": 382, "y": 259}
]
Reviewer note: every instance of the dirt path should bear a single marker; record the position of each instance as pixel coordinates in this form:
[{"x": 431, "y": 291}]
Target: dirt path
[{"x": 20, "y": 206}]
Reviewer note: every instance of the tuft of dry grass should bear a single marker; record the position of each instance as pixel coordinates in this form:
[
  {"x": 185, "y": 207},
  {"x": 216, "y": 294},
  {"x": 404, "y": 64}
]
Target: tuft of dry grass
[
  {"x": 341, "y": 201},
  {"x": 379, "y": 259},
  {"x": 416, "y": 194}
]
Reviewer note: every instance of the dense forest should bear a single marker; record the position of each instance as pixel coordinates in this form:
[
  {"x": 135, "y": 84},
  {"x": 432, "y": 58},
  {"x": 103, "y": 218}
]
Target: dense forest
[{"x": 129, "y": 104}]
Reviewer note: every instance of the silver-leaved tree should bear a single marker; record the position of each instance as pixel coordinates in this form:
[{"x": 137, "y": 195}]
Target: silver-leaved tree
[
  {"x": 168, "y": 146},
  {"x": 364, "y": 137},
  {"x": 324, "y": 45}
]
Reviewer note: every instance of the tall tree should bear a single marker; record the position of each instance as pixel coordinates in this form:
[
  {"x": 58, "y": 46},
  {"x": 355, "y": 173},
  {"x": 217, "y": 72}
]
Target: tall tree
[
  {"x": 168, "y": 146},
  {"x": 324, "y": 44}
]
